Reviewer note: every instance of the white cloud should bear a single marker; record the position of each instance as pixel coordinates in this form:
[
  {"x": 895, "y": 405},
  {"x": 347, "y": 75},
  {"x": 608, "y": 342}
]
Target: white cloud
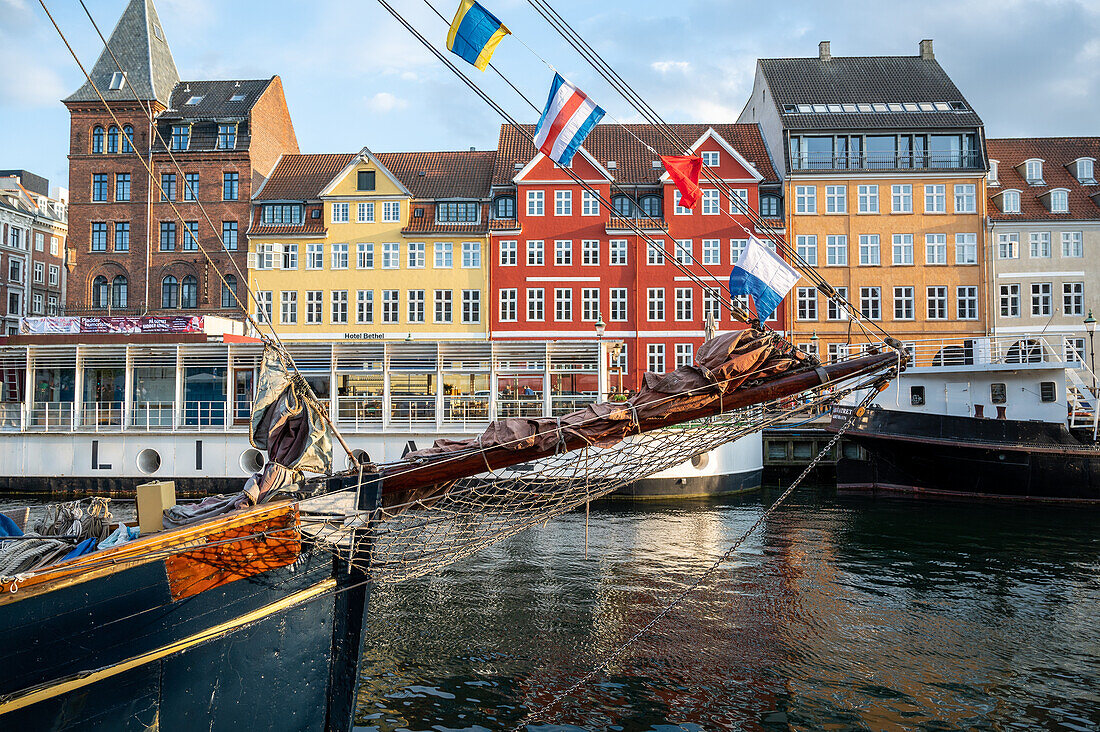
[
  {"x": 665, "y": 67},
  {"x": 26, "y": 82},
  {"x": 383, "y": 102}
]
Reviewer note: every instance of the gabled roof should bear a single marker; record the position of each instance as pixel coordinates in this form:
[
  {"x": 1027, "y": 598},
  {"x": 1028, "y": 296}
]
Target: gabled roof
[
  {"x": 139, "y": 44},
  {"x": 738, "y": 157},
  {"x": 866, "y": 80},
  {"x": 214, "y": 99},
  {"x": 365, "y": 155},
  {"x": 633, "y": 162},
  {"x": 1057, "y": 154},
  {"x": 302, "y": 177},
  {"x": 437, "y": 175},
  {"x": 605, "y": 175}
]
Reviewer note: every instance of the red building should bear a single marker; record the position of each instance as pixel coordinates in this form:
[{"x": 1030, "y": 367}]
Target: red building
[{"x": 561, "y": 261}]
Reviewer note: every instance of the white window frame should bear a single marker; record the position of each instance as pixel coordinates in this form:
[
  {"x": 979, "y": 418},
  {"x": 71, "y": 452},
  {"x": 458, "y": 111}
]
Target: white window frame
[
  {"x": 806, "y": 246},
  {"x": 1008, "y": 245},
  {"x": 966, "y": 198},
  {"x": 391, "y": 255},
  {"x": 339, "y": 255},
  {"x": 391, "y": 212},
  {"x": 1038, "y": 244},
  {"x": 509, "y": 253},
  {"x": 712, "y": 202},
  {"x": 807, "y": 303},
  {"x": 536, "y": 252},
  {"x": 590, "y": 204},
  {"x": 935, "y": 249},
  {"x": 471, "y": 255},
  {"x": 966, "y": 248},
  {"x": 364, "y": 255},
  {"x": 870, "y": 250},
  {"x": 508, "y": 305},
  {"x": 836, "y": 250},
  {"x": 966, "y": 302},
  {"x": 868, "y": 199},
  {"x": 536, "y": 203},
  {"x": 618, "y": 312},
  {"x": 905, "y": 297},
  {"x": 365, "y": 212},
  {"x": 1073, "y": 244},
  {"x": 935, "y": 198},
  {"x": 805, "y": 200},
  {"x": 563, "y": 203},
  {"x": 712, "y": 251},
  {"x": 901, "y": 198},
  {"x": 590, "y": 252},
  {"x": 340, "y": 212},
  {"x": 443, "y": 255},
  {"x": 902, "y": 245},
  {"x": 563, "y": 252},
  {"x": 836, "y": 199},
  {"x": 1009, "y": 300},
  {"x": 655, "y": 304},
  {"x": 618, "y": 252}
]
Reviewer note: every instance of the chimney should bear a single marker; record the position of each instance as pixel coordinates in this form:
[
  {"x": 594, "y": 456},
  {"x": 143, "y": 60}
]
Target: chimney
[
  {"x": 823, "y": 51},
  {"x": 926, "y": 50}
]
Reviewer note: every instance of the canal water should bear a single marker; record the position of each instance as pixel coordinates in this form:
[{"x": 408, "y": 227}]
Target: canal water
[{"x": 842, "y": 613}]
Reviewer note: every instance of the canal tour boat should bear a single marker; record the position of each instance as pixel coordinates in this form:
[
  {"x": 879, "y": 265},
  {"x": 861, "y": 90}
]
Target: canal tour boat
[
  {"x": 1006, "y": 418},
  {"x": 89, "y": 414}
]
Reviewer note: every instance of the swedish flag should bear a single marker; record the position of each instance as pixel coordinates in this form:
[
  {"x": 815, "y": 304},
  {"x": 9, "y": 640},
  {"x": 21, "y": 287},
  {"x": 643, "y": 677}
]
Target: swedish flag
[{"x": 475, "y": 33}]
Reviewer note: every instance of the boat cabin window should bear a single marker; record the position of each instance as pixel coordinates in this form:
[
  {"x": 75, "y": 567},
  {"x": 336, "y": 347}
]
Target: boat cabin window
[
  {"x": 916, "y": 396},
  {"x": 1047, "y": 391},
  {"x": 998, "y": 393}
]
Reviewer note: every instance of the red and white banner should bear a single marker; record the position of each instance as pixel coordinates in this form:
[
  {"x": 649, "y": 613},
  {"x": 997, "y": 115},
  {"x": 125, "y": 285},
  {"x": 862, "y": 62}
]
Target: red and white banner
[{"x": 53, "y": 324}]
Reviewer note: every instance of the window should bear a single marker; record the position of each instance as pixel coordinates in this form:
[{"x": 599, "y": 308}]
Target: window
[
  {"x": 563, "y": 252},
  {"x": 290, "y": 255},
  {"x": 390, "y": 303},
  {"x": 685, "y": 304},
  {"x": 1039, "y": 242},
  {"x": 739, "y": 200},
  {"x": 677, "y": 208},
  {"x": 901, "y": 198},
  {"x": 189, "y": 292},
  {"x": 1073, "y": 298},
  {"x": 937, "y": 303},
  {"x": 870, "y": 302},
  {"x": 416, "y": 301},
  {"x": 535, "y": 256},
  {"x": 288, "y": 307},
  {"x": 122, "y": 186},
  {"x": 935, "y": 198},
  {"x": 1085, "y": 171},
  {"x": 231, "y": 186},
  {"x": 769, "y": 206},
  {"x": 340, "y": 213},
  {"x": 903, "y": 303},
  {"x": 100, "y": 187},
  {"x": 416, "y": 255},
  {"x": 339, "y": 306},
  {"x": 364, "y": 255},
  {"x": 656, "y": 360},
  {"x": 169, "y": 292},
  {"x": 462, "y": 212},
  {"x": 39, "y": 272},
  {"x": 966, "y": 248},
  {"x": 471, "y": 306},
  {"x": 167, "y": 236},
  {"x": 1034, "y": 172},
  {"x": 683, "y": 251},
  {"x": 710, "y": 158},
  {"x": 685, "y": 355},
  {"x": 364, "y": 180},
  {"x": 281, "y": 213},
  {"x": 652, "y": 207},
  {"x": 935, "y": 248},
  {"x": 869, "y": 250},
  {"x": 508, "y": 253},
  {"x": 127, "y": 139},
  {"x": 443, "y": 302},
  {"x": 655, "y": 252},
  {"x": 712, "y": 304},
  {"x": 563, "y": 203},
  {"x": 181, "y": 137},
  {"x": 712, "y": 251},
  {"x": 340, "y": 256},
  {"x": 966, "y": 201},
  {"x": 916, "y": 396},
  {"x": 622, "y": 206},
  {"x": 618, "y": 304},
  {"x": 590, "y": 204},
  {"x": 504, "y": 207},
  {"x": 998, "y": 393},
  {"x": 99, "y": 292},
  {"x": 805, "y": 199},
  {"x": 868, "y": 199},
  {"x": 836, "y": 308},
  {"x": 590, "y": 304},
  {"x": 1008, "y": 246},
  {"x": 806, "y": 245},
  {"x": 229, "y": 235},
  {"x": 190, "y": 243},
  {"x": 563, "y": 304},
  {"x": 711, "y": 202},
  {"x": 836, "y": 199},
  {"x": 836, "y": 250},
  {"x": 1010, "y": 301},
  {"x": 314, "y": 299},
  {"x": 618, "y": 252},
  {"x": 36, "y": 303},
  {"x": 229, "y": 291},
  {"x": 391, "y": 253},
  {"x": 191, "y": 187},
  {"x": 966, "y": 303},
  {"x": 536, "y": 203},
  {"x": 536, "y": 303},
  {"x": 903, "y": 249},
  {"x": 471, "y": 255},
  {"x": 122, "y": 236},
  {"x": 508, "y": 305},
  {"x": 364, "y": 306},
  {"x": 1048, "y": 392},
  {"x": 265, "y": 255},
  {"x": 364, "y": 213},
  {"x": 97, "y": 140},
  {"x": 315, "y": 255},
  {"x": 55, "y": 275},
  {"x": 263, "y": 305},
  {"x": 1040, "y": 298},
  {"x": 656, "y": 300},
  {"x": 112, "y": 139},
  {"x": 1010, "y": 202},
  {"x": 55, "y": 246},
  {"x": 227, "y": 136},
  {"x": 167, "y": 186},
  {"x": 444, "y": 255},
  {"x": 590, "y": 252},
  {"x": 1071, "y": 244},
  {"x": 99, "y": 237},
  {"x": 1074, "y": 349},
  {"x": 807, "y": 303},
  {"x": 391, "y": 211}
]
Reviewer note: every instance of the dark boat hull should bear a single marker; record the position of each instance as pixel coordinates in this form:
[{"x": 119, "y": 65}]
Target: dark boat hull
[
  {"x": 951, "y": 456},
  {"x": 698, "y": 486}
]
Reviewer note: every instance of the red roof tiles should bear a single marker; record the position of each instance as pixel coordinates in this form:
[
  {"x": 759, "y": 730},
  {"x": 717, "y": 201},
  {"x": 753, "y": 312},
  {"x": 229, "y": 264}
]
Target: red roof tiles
[
  {"x": 1058, "y": 154},
  {"x": 302, "y": 177}
]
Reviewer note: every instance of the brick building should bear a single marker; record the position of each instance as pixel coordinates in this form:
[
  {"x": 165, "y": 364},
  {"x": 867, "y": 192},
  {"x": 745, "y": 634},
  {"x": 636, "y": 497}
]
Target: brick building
[
  {"x": 561, "y": 262},
  {"x": 134, "y": 248},
  {"x": 32, "y": 248}
]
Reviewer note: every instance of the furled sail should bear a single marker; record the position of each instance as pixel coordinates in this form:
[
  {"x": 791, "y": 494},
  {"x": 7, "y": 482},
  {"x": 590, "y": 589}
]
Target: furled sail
[{"x": 287, "y": 421}]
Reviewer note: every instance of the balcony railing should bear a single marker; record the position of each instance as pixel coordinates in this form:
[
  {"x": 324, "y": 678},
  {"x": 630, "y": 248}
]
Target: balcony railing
[
  {"x": 466, "y": 409},
  {"x": 101, "y": 415},
  {"x": 529, "y": 407},
  {"x": 412, "y": 409},
  {"x": 887, "y": 161},
  {"x": 47, "y": 415},
  {"x": 360, "y": 411}
]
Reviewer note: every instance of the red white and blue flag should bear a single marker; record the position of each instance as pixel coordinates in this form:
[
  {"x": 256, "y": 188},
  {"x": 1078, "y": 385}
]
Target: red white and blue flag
[{"x": 568, "y": 118}]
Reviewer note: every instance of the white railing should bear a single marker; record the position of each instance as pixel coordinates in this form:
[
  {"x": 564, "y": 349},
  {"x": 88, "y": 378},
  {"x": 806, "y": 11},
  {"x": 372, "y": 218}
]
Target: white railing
[
  {"x": 101, "y": 415},
  {"x": 153, "y": 415},
  {"x": 465, "y": 410},
  {"x": 985, "y": 350},
  {"x": 560, "y": 405},
  {"x": 11, "y": 415},
  {"x": 360, "y": 411},
  {"x": 524, "y": 407},
  {"x": 47, "y": 415},
  {"x": 412, "y": 410},
  {"x": 203, "y": 414}
]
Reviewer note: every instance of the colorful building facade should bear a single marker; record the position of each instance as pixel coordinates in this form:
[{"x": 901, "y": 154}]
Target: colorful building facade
[
  {"x": 33, "y": 229},
  {"x": 884, "y": 173},
  {"x": 562, "y": 262}
]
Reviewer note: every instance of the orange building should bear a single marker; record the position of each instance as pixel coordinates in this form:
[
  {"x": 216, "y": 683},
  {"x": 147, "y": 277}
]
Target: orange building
[{"x": 884, "y": 174}]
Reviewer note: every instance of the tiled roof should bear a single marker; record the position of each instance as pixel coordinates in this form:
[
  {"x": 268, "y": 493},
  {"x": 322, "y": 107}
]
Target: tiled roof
[
  {"x": 302, "y": 177},
  {"x": 437, "y": 175},
  {"x": 214, "y": 99},
  {"x": 618, "y": 223},
  {"x": 309, "y": 226},
  {"x": 864, "y": 80},
  {"x": 633, "y": 162},
  {"x": 1057, "y": 153}
]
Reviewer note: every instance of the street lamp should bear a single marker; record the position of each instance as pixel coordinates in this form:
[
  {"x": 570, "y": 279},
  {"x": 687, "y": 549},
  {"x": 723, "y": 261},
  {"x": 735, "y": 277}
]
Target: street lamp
[
  {"x": 1090, "y": 328},
  {"x": 602, "y": 357},
  {"x": 814, "y": 339}
]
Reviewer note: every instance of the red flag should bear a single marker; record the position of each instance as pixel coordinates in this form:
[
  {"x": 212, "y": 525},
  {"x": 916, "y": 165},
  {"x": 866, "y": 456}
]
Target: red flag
[{"x": 684, "y": 171}]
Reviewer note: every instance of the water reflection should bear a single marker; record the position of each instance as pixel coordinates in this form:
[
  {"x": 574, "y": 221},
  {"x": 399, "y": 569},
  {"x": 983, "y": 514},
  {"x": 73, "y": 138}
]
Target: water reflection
[{"x": 847, "y": 613}]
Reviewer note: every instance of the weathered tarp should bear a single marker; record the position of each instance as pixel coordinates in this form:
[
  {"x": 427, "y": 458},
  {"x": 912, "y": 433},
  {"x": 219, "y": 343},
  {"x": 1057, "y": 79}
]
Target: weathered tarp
[
  {"x": 723, "y": 365},
  {"x": 286, "y": 421}
]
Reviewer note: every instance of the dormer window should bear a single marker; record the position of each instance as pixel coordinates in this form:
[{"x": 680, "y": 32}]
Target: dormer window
[
  {"x": 623, "y": 206},
  {"x": 118, "y": 80},
  {"x": 1033, "y": 172},
  {"x": 1010, "y": 202},
  {"x": 192, "y": 101},
  {"x": 462, "y": 212},
  {"x": 227, "y": 137},
  {"x": 504, "y": 207},
  {"x": 1059, "y": 200},
  {"x": 1084, "y": 173},
  {"x": 181, "y": 137},
  {"x": 993, "y": 173}
]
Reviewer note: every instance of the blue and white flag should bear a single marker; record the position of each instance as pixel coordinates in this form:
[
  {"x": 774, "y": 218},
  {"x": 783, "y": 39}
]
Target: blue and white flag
[
  {"x": 760, "y": 272},
  {"x": 568, "y": 118}
]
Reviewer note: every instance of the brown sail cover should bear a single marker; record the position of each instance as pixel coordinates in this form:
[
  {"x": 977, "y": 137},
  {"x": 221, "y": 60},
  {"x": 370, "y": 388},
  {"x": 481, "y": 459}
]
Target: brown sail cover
[
  {"x": 723, "y": 365},
  {"x": 286, "y": 421}
]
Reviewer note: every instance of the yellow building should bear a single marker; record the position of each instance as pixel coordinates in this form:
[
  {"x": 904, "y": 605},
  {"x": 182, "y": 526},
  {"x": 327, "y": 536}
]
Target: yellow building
[{"x": 364, "y": 246}]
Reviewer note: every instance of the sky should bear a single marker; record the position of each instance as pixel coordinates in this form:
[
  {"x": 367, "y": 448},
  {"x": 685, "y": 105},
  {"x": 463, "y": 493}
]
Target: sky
[{"x": 354, "y": 77}]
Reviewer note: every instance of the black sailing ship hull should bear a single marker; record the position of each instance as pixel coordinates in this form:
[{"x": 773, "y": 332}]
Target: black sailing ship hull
[{"x": 946, "y": 456}]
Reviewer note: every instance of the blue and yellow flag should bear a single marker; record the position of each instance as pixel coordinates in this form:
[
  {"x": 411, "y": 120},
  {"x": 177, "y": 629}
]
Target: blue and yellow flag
[{"x": 475, "y": 33}]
